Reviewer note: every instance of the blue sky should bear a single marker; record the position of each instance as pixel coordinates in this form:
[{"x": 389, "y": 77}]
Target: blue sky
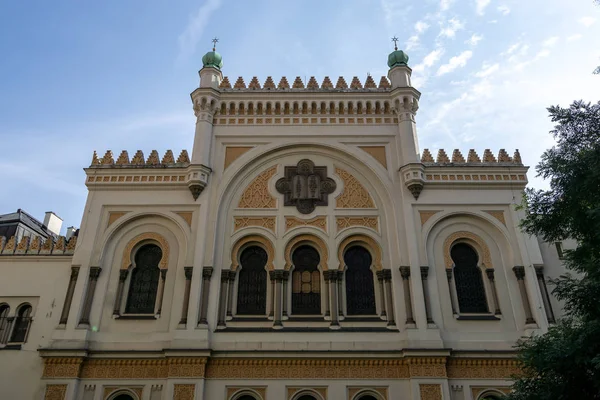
[{"x": 82, "y": 76}]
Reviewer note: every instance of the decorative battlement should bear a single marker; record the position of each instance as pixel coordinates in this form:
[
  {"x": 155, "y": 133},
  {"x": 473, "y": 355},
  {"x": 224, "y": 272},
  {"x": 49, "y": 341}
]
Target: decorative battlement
[
  {"x": 472, "y": 158},
  {"x": 311, "y": 85},
  {"x": 35, "y": 246},
  {"x": 153, "y": 161}
]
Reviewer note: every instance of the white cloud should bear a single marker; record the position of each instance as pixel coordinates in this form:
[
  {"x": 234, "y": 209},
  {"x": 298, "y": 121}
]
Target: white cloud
[
  {"x": 475, "y": 38},
  {"x": 576, "y": 36},
  {"x": 412, "y": 42},
  {"x": 513, "y": 48},
  {"x": 542, "y": 54},
  {"x": 429, "y": 60},
  {"x": 193, "y": 31},
  {"x": 445, "y": 4},
  {"x": 551, "y": 41},
  {"x": 480, "y": 6},
  {"x": 487, "y": 70},
  {"x": 421, "y": 26},
  {"x": 503, "y": 9},
  {"x": 455, "y": 62},
  {"x": 587, "y": 21},
  {"x": 451, "y": 28}
]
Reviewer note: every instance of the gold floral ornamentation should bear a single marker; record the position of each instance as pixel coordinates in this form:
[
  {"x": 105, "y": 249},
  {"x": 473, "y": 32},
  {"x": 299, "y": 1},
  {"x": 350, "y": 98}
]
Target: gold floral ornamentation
[
  {"x": 354, "y": 392},
  {"x": 184, "y": 392},
  {"x": 318, "y": 222},
  {"x": 176, "y": 367},
  {"x": 427, "y": 367},
  {"x": 253, "y": 240},
  {"x": 257, "y": 195},
  {"x": 483, "y": 369},
  {"x": 430, "y": 392},
  {"x": 486, "y": 259},
  {"x": 261, "y": 391},
  {"x": 354, "y": 194},
  {"x": 55, "y": 392},
  {"x": 108, "y": 390},
  {"x": 316, "y": 241},
  {"x": 346, "y": 222},
  {"x": 498, "y": 214},
  {"x": 371, "y": 245},
  {"x": 426, "y": 214},
  {"x": 62, "y": 367},
  {"x": 265, "y": 222},
  {"x": 164, "y": 245},
  {"x": 292, "y": 391}
]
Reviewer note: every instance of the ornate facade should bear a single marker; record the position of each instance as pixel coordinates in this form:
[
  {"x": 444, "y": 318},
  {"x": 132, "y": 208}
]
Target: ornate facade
[{"x": 306, "y": 251}]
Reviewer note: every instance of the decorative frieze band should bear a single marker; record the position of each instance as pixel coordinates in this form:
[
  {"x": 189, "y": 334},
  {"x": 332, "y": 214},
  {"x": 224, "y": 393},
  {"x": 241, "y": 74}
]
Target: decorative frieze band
[
  {"x": 347, "y": 222},
  {"x": 35, "y": 246},
  {"x": 264, "y": 222},
  {"x": 318, "y": 222}
]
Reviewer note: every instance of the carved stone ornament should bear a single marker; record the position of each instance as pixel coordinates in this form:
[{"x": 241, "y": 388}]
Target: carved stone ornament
[{"x": 305, "y": 186}]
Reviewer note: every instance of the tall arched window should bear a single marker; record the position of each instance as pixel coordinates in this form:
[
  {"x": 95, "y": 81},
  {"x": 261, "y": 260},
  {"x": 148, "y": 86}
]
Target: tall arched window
[
  {"x": 306, "y": 281},
  {"x": 4, "y": 310},
  {"x": 21, "y": 328},
  {"x": 360, "y": 289},
  {"x": 145, "y": 276},
  {"x": 252, "y": 282},
  {"x": 468, "y": 279}
]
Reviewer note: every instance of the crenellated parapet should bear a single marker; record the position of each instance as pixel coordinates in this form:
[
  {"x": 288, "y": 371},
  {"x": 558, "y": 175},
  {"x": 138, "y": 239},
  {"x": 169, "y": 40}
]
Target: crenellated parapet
[
  {"x": 311, "y": 85},
  {"x": 37, "y": 246},
  {"x": 473, "y": 158},
  {"x": 138, "y": 160}
]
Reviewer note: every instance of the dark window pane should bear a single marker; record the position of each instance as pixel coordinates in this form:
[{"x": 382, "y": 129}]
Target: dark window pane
[
  {"x": 360, "y": 289},
  {"x": 252, "y": 282},
  {"x": 123, "y": 397},
  {"x": 21, "y": 324},
  {"x": 144, "y": 280},
  {"x": 468, "y": 279},
  {"x": 246, "y": 397},
  {"x": 307, "y": 397},
  {"x": 306, "y": 281},
  {"x": 367, "y": 397}
]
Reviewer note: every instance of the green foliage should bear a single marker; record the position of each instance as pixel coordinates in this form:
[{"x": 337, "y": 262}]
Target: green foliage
[{"x": 564, "y": 363}]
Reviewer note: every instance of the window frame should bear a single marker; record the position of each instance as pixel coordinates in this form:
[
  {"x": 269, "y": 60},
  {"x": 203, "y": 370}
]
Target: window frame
[
  {"x": 13, "y": 324},
  {"x": 322, "y": 286},
  {"x": 373, "y": 269},
  {"x": 240, "y": 266}
]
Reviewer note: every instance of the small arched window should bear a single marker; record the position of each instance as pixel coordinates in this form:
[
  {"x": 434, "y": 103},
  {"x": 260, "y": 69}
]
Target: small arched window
[
  {"x": 306, "y": 281},
  {"x": 252, "y": 282},
  {"x": 145, "y": 276},
  {"x": 22, "y": 322},
  {"x": 4, "y": 310},
  {"x": 360, "y": 288},
  {"x": 123, "y": 396},
  {"x": 468, "y": 279}
]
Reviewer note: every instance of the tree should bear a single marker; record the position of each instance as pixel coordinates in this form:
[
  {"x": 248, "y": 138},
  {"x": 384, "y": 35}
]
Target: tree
[{"x": 564, "y": 363}]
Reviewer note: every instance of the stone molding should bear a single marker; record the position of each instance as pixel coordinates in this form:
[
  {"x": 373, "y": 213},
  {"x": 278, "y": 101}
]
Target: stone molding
[{"x": 164, "y": 246}]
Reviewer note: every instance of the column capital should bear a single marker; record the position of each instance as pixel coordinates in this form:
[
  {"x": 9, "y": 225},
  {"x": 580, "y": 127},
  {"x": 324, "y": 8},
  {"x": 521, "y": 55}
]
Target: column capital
[
  {"x": 163, "y": 274},
  {"x": 123, "y": 274},
  {"x": 232, "y": 275},
  {"x": 387, "y": 275},
  {"x": 188, "y": 272},
  {"x": 95, "y": 273},
  {"x": 74, "y": 273},
  {"x": 207, "y": 272},
  {"x": 449, "y": 274},
  {"x": 286, "y": 275},
  {"x": 330, "y": 275},
  {"x": 519, "y": 271},
  {"x": 225, "y": 275},
  {"x": 539, "y": 270},
  {"x": 404, "y": 272},
  {"x": 380, "y": 275},
  {"x": 276, "y": 275},
  {"x": 490, "y": 273},
  {"x": 424, "y": 272}
]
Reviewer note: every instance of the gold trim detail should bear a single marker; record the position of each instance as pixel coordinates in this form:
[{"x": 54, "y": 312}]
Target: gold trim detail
[
  {"x": 62, "y": 367},
  {"x": 377, "y": 152},
  {"x": 355, "y": 391},
  {"x": 318, "y": 222},
  {"x": 261, "y": 391},
  {"x": 354, "y": 194},
  {"x": 184, "y": 392},
  {"x": 292, "y": 391},
  {"x": 483, "y": 250},
  {"x": 476, "y": 391},
  {"x": 425, "y": 215},
  {"x": 187, "y": 216},
  {"x": 371, "y": 245},
  {"x": 232, "y": 153},
  {"x": 346, "y": 222},
  {"x": 265, "y": 222},
  {"x": 318, "y": 243},
  {"x": 253, "y": 240},
  {"x": 257, "y": 195},
  {"x": 55, "y": 392},
  {"x": 498, "y": 214},
  {"x": 108, "y": 390},
  {"x": 430, "y": 392},
  {"x": 113, "y": 216},
  {"x": 164, "y": 245},
  {"x": 483, "y": 369}
]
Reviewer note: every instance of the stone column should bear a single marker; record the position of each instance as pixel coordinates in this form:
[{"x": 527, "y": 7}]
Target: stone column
[
  {"x": 223, "y": 298},
  {"x": 161, "y": 290},
  {"x": 452, "y": 291},
  {"x": 519, "y": 271},
  {"x": 186, "y": 294},
  {"x": 490, "y": 274},
  {"x": 340, "y": 298},
  {"x": 382, "y": 315},
  {"x": 64, "y": 316},
  {"x": 277, "y": 276},
  {"x": 232, "y": 275},
  {"x": 123, "y": 273},
  {"x": 89, "y": 295},
  {"x": 424, "y": 274},
  {"x": 539, "y": 273},
  {"x": 333, "y": 285},
  {"x": 405, "y": 273},
  {"x": 286, "y": 277},
  {"x": 272, "y": 302},
  {"x": 387, "y": 278},
  {"x": 327, "y": 278},
  {"x": 206, "y": 275}
]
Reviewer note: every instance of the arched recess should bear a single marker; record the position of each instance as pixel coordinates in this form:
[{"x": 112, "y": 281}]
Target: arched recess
[
  {"x": 307, "y": 394},
  {"x": 491, "y": 395},
  {"x": 367, "y": 394},
  {"x": 250, "y": 240},
  {"x": 146, "y": 237},
  {"x": 307, "y": 239},
  {"x": 361, "y": 240},
  {"x": 123, "y": 394},
  {"x": 246, "y": 394},
  {"x": 469, "y": 238}
]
